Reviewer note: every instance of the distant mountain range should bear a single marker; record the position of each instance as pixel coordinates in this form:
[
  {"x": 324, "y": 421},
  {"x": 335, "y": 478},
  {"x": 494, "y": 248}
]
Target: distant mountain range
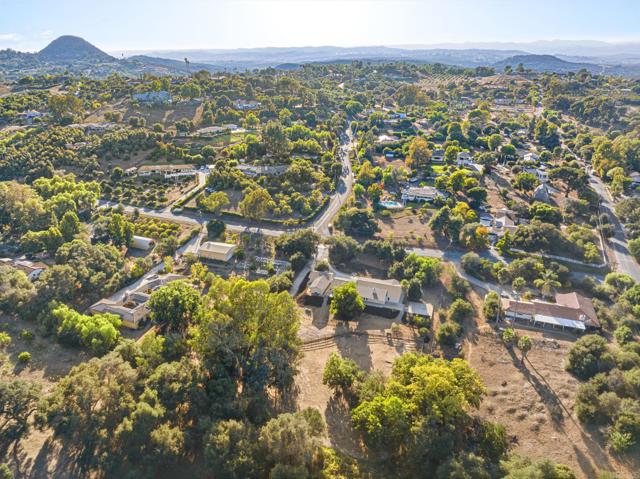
[{"x": 74, "y": 54}]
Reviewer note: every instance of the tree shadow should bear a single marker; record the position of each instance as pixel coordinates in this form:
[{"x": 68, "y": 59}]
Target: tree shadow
[{"x": 340, "y": 432}]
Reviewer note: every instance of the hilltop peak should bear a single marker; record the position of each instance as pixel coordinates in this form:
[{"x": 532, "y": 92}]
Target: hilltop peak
[{"x": 71, "y": 48}]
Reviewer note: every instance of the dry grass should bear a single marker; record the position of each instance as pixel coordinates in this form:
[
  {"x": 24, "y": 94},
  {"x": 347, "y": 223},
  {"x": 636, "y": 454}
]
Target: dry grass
[
  {"x": 35, "y": 455},
  {"x": 535, "y": 401}
]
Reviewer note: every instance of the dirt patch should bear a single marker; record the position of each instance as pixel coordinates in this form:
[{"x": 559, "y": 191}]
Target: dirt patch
[{"x": 409, "y": 227}]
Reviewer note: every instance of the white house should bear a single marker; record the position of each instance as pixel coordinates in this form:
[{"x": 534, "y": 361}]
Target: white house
[
  {"x": 217, "y": 251},
  {"x": 153, "y": 97},
  {"x": 375, "y": 292},
  {"x": 33, "y": 270},
  {"x": 263, "y": 170},
  {"x": 167, "y": 171},
  {"x": 635, "y": 179},
  {"x": 437, "y": 156},
  {"x": 246, "y": 105},
  {"x": 386, "y": 139},
  {"x": 133, "y": 309},
  {"x": 143, "y": 243},
  {"x": 421, "y": 193},
  {"x": 464, "y": 159},
  {"x": 531, "y": 157}
]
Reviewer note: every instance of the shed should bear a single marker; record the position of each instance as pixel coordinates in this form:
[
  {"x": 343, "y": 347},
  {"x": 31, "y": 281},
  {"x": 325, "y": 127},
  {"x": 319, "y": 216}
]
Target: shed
[
  {"x": 143, "y": 243},
  {"x": 216, "y": 251}
]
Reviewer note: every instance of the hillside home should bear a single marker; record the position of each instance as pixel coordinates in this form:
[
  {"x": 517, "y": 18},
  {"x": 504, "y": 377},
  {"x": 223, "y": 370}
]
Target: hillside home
[
  {"x": 153, "y": 97},
  {"x": 464, "y": 159},
  {"x": 32, "y": 269},
  {"x": 422, "y": 193},
  {"x": 263, "y": 170},
  {"x": 437, "y": 156},
  {"x": 132, "y": 310},
  {"x": 386, "y": 139},
  {"x": 375, "y": 292},
  {"x": 245, "y": 105},
  {"x": 531, "y": 157},
  {"x": 167, "y": 171},
  {"x": 570, "y": 311},
  {"x": 542, "y": 193}
]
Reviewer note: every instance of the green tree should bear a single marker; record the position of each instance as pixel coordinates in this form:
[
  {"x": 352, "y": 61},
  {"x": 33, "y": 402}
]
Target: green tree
[
  {"x": 215, "y": 202},
  {"x": 340, "y": 374},
  {"x": 346, "y": 302},
  {"x": 524, "y": 345},
  {"x": 15, "y": 289},
  {"x": 256, "y": 203},
  {"x": 175, "y": 306},
  {"x": 18, "y": 400},
  {"x": 275, "y": 139},
  {"x": 69, "y": 225}
]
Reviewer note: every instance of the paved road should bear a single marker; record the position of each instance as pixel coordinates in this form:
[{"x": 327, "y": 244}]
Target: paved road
[
  {"x": 190, "y": 246},
  {"x": 454, "y": 257},
  {"x": 626, "y": 263}
]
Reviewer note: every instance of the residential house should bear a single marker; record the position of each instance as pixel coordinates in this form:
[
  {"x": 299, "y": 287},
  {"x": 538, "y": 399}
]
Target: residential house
[
  {"x": 437, "y": 156},
  {"x": 531, "y": 157},
  {"x": 215, "y": 251},
  {"x": 32, "y": 269},
  {"x": 635, "y": 179},
  {"x": 130, "y": 171},
  {"x": 245, "y": 105},
  {"x": 542, "y": 193},
  {"x": 167, "y": 171},
  {"x": 153, "y": 97},
  {"x": 387, "y": 139},
  {"x": 540, "y": 172},
  {"x": 30, "y": 116},
  {"x": 374, "y": 292},
  {"x": 263, "y": 170},
  {"x": 504, "y": 221},
  {"x": 464, "y": 159},
  {"x": 570, "y": 311},
  {"x": 133, "y": 309},
  {"x": 422, "y": 193}
]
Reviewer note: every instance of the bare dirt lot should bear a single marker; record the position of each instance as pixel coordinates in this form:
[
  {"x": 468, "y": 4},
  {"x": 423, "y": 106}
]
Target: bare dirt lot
[
  {"x": 535, "y": 401},
  {"x": 408, "y": 227}
]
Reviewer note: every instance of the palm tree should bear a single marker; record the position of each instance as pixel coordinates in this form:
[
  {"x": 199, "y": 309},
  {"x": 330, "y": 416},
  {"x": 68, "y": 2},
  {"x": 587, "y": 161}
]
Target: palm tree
[{"x": 547, "y": 283}]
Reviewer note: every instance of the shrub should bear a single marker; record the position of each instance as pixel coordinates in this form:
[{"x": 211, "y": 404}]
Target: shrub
[
  {"x": 5, "y": 340},
  {"x": 589, "y": 356},
  {"x": 448, "y": 333},
  {"x": 24, "y": 357},
  {"x": 459, "y": 311},
  {"x": 27, "y": 335}
]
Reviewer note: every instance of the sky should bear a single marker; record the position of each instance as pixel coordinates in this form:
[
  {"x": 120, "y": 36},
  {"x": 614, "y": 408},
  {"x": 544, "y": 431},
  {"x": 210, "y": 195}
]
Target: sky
[{"x": 129, "y": 25}]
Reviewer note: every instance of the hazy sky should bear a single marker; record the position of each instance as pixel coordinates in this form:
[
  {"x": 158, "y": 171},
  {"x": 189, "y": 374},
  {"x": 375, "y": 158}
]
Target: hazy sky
[{"x": 115, "y": 25}]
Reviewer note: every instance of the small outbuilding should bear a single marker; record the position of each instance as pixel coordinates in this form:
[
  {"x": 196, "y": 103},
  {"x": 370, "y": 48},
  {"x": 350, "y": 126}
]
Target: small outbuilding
[
  {"x": 143, "y": 243},
  {"x": 215, "y": 251}
]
